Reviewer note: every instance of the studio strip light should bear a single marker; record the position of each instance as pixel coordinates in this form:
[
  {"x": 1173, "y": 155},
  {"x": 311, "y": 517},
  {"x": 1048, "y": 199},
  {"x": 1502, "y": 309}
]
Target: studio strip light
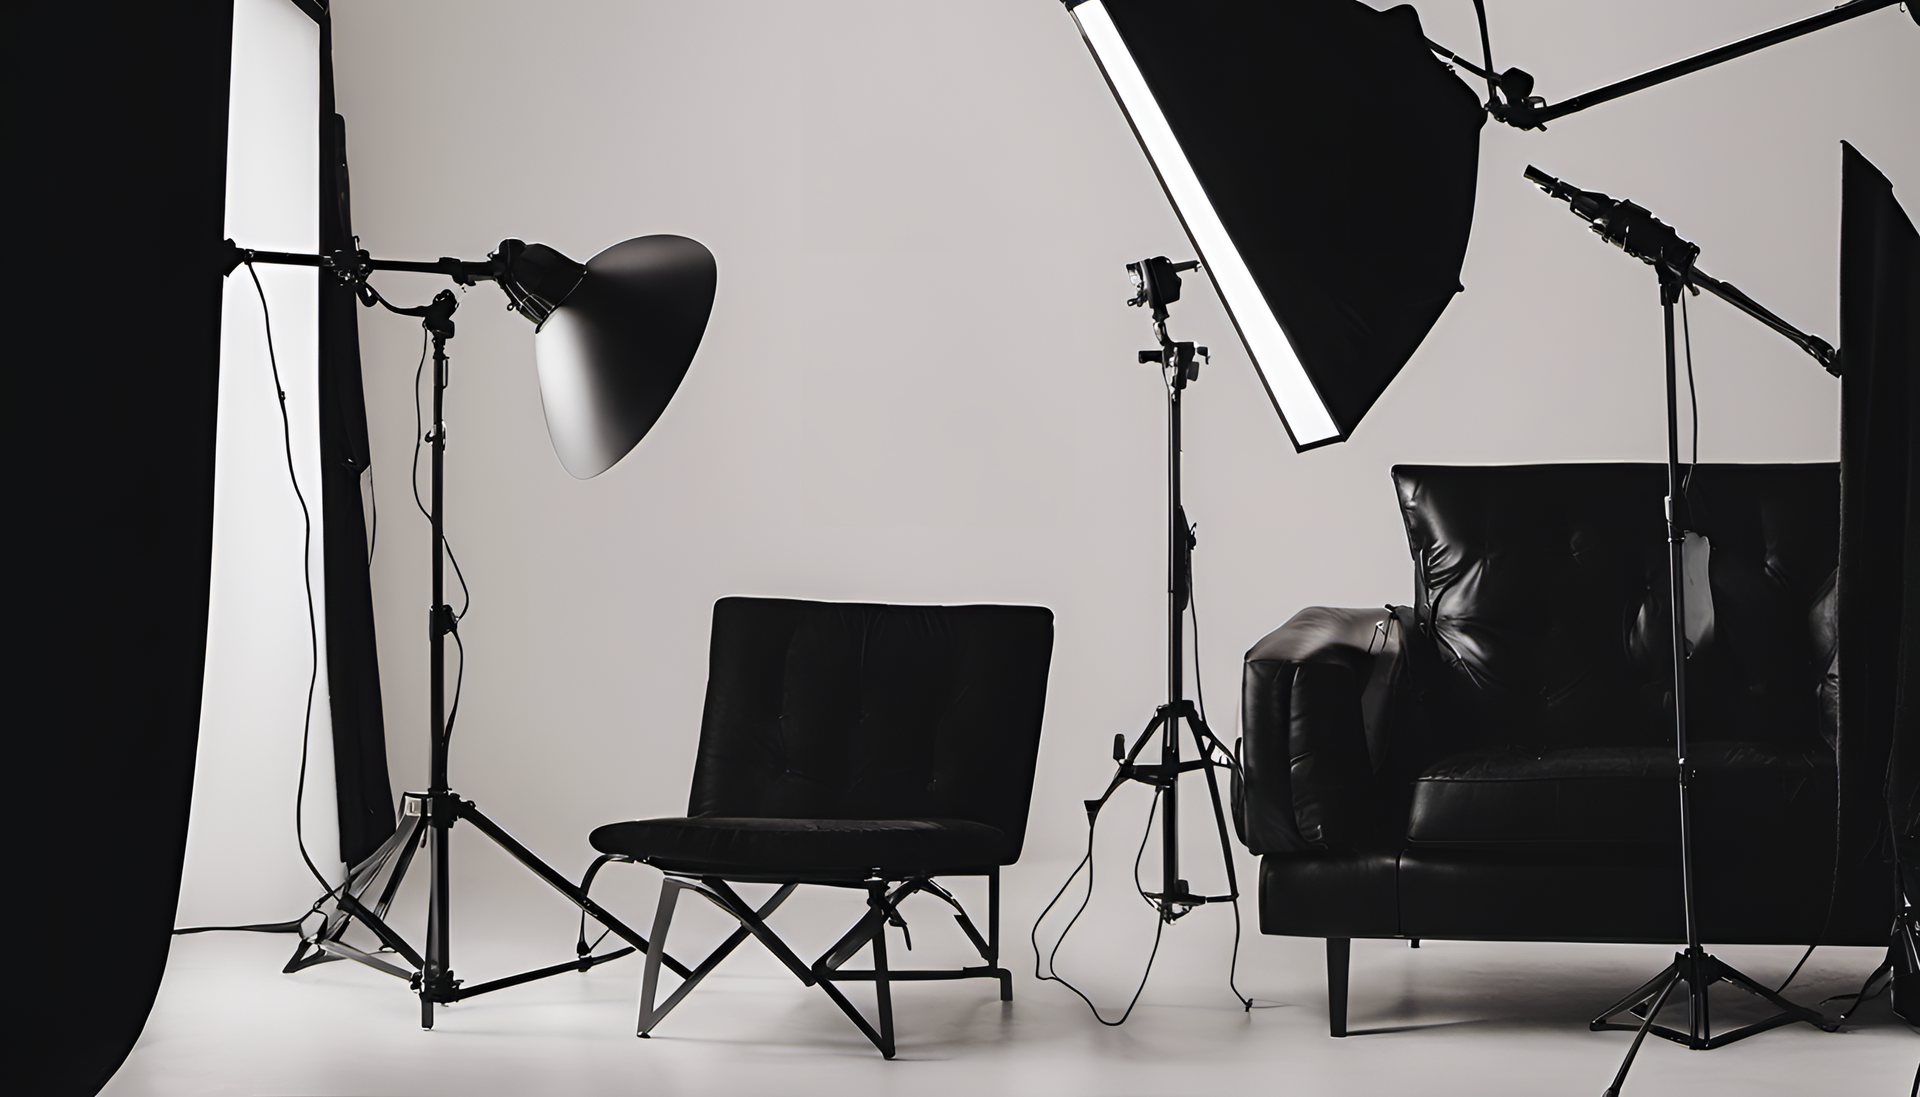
[{"x": 1302, "y": 410}]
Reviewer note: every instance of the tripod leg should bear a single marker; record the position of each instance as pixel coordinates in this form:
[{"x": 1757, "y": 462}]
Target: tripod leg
[
  {"x": 1633, "y": 1049},
  {"x": 1203, "y": 737}
]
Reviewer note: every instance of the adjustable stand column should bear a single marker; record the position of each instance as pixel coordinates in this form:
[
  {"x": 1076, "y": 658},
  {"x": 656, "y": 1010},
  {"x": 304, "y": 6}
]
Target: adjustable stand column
[{"x": 1695, "y": 970}]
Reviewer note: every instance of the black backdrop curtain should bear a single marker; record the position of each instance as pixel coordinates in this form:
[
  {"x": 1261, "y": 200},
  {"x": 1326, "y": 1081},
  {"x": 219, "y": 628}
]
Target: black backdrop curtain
[
  {"x": 1879, "y": 518},
  {"x": 120, "y": 131},
  {"x": 353, "y": 665}
]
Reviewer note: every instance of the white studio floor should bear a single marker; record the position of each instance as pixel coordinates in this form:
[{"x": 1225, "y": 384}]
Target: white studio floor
[{"x": 1447, "y": 1018}]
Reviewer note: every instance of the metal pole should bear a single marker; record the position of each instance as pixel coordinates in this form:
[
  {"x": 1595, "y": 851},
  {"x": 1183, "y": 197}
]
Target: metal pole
[
  {"x": 1710, "y": 58},
  {"x": 439, "y": 953},
  {"x": 1697, "y": 1020},
  {"x": 1176, "y": 677}
]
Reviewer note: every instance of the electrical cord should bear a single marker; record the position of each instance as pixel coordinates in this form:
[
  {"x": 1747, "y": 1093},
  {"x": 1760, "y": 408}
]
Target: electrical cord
[
  {"x": 1051, "y": 973},
  {"x": 466, "y": 596},
  {"x": 1233, "y": 761},
  {"x": 313, "y": 648},
  {"x": 295, "y": 925},
  {"x": 1796, "y": 969},
  {"x": 306, "y": 576},
  {"x": 1693, "y": 397}
]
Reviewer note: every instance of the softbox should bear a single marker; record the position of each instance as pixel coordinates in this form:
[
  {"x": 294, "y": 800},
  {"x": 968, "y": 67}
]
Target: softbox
[{"x": 1323, "y": 163}]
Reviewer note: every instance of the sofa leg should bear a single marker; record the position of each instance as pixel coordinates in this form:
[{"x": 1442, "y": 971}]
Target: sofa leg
[{"x": 1339, "y": 952}]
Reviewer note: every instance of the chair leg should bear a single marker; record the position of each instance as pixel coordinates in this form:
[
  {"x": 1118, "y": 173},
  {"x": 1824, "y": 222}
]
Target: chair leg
[
  {"x": 993, "y": 934},
  {"x": 1339, "y": 954},
  {"x": 882, "y": 986},
  {"x": 656, "y": 951}
]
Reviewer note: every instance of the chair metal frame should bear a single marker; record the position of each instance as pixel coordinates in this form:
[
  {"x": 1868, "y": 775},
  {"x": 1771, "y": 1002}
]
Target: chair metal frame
[{"x": 885, "y": 891}]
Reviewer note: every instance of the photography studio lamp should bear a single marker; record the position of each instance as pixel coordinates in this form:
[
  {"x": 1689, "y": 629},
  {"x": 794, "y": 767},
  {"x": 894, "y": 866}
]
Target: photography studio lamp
[
  {"x": 613, "y": 339},
  {"x": 1156, "y": 284},
  {"x": 1293, "y": 251},
  {"x": 1693, "y": 972}
]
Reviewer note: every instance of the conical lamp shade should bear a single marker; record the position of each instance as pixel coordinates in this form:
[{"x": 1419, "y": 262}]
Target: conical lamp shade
[{"x": 612, "y": 355}]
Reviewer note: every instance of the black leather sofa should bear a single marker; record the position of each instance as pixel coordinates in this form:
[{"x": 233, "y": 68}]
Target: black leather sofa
[{"x": 1495, "y": 762}]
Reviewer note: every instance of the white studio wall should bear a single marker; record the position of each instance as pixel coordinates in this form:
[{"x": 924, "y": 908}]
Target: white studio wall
[
  {"x": 242, "y": 863},
  {"x": 919, "y": 380}
]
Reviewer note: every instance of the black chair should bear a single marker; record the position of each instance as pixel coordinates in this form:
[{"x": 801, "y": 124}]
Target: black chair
[{"x": 857, "y": 746}]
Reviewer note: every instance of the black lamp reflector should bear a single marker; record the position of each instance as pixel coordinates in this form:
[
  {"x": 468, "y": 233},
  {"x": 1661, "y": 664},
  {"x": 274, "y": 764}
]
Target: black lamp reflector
[{"x": 612, "y": 354}]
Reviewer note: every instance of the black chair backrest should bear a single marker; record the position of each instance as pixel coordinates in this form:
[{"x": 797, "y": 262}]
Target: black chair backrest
[
  {"x": 1544, "y": 590},
  {"x": 837, "y": 710}
]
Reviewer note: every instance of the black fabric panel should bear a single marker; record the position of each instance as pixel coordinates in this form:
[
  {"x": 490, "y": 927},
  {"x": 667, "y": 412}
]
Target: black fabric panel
[
  {"x": 826, "y": 710},
  {"x": 1355, "y": 231},
  {"x": 1543, "y": 589},
  {"x": 363, "y": 789},
  {"x": 1744, "y": 794},
  {"x": 1879, "y": 609},
  {"x": 123, "y": 136},
  {"x": 807, "y": 847}
]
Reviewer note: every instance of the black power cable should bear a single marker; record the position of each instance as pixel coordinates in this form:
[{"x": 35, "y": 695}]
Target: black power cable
[
  {"x": 466, "y": 596},
  {"x": 313, "y": 649},
  {"x": 1233, "y": 762},
  {"x": 1051, "y": 974}
]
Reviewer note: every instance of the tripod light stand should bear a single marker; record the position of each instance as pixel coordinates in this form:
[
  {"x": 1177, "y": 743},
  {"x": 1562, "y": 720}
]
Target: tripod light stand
[
  {"x": 1641, "y": 235},
  {"x": 1157, "y": 281},
  {"x": 614, "y": 337}
]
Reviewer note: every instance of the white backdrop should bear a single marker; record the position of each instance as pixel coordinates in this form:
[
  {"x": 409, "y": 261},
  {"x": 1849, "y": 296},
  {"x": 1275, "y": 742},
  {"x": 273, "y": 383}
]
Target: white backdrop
[
  {"x": 919, "y": 380},
  {"x": 242, "y": 862}
]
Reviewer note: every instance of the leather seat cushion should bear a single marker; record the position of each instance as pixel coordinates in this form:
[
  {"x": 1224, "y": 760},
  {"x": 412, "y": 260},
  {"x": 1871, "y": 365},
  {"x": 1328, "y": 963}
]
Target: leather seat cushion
[
  {"x": 773, "y": 847},
  {"x": 1617, "y": 794}
]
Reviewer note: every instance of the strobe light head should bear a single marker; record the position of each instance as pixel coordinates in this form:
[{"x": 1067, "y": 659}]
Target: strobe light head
[
  {"x": 1156, "y": 283},
  {"x": 613, "y": 338}
]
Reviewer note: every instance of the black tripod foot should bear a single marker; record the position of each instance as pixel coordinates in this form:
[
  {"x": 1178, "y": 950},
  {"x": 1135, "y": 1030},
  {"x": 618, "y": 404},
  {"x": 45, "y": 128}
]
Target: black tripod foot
[{"x": 1694, "y": 972}]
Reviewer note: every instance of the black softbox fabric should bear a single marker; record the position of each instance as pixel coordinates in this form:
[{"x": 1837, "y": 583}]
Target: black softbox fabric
[
  {"x": 353, "y": 666},
  {"x": 1340, "y": 155},
  {"x": 119, "y": 146},
  {"x": 1879, "y": 517}
]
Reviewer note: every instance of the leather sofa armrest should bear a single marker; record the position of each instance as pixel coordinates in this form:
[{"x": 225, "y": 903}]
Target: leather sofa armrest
[{"x": 1313, "y": 716}]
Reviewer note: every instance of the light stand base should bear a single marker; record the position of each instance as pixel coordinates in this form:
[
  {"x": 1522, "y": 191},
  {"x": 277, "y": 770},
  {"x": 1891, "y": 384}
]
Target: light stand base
[
  {"x": 1694, "y": 972},
  {"x": 393, "y": 859}
]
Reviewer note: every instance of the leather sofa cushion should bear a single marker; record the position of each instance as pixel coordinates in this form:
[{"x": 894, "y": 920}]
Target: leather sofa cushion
[
  {"x": 1745, "y": 791},
  {"x": 809, "y": 847},
  {"x": 1543, "y": 590}
]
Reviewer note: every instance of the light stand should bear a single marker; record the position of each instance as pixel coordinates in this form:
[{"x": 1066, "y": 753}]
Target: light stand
[
  {"x": 1158, "y": 283},
  {"x": 1638, "y": 233},
  {"x": 538, "y": 282}
]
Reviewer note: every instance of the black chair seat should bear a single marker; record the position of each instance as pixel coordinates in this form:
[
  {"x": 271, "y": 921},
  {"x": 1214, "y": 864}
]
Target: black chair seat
[
  {"x": 1614, "y": 794},
  {"x": 804, "y": 848}
]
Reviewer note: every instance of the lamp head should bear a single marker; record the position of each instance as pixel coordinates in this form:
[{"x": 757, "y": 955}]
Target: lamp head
[
  {"x": 535, "y": 278},
  {"x": 613, "y": 337}
]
